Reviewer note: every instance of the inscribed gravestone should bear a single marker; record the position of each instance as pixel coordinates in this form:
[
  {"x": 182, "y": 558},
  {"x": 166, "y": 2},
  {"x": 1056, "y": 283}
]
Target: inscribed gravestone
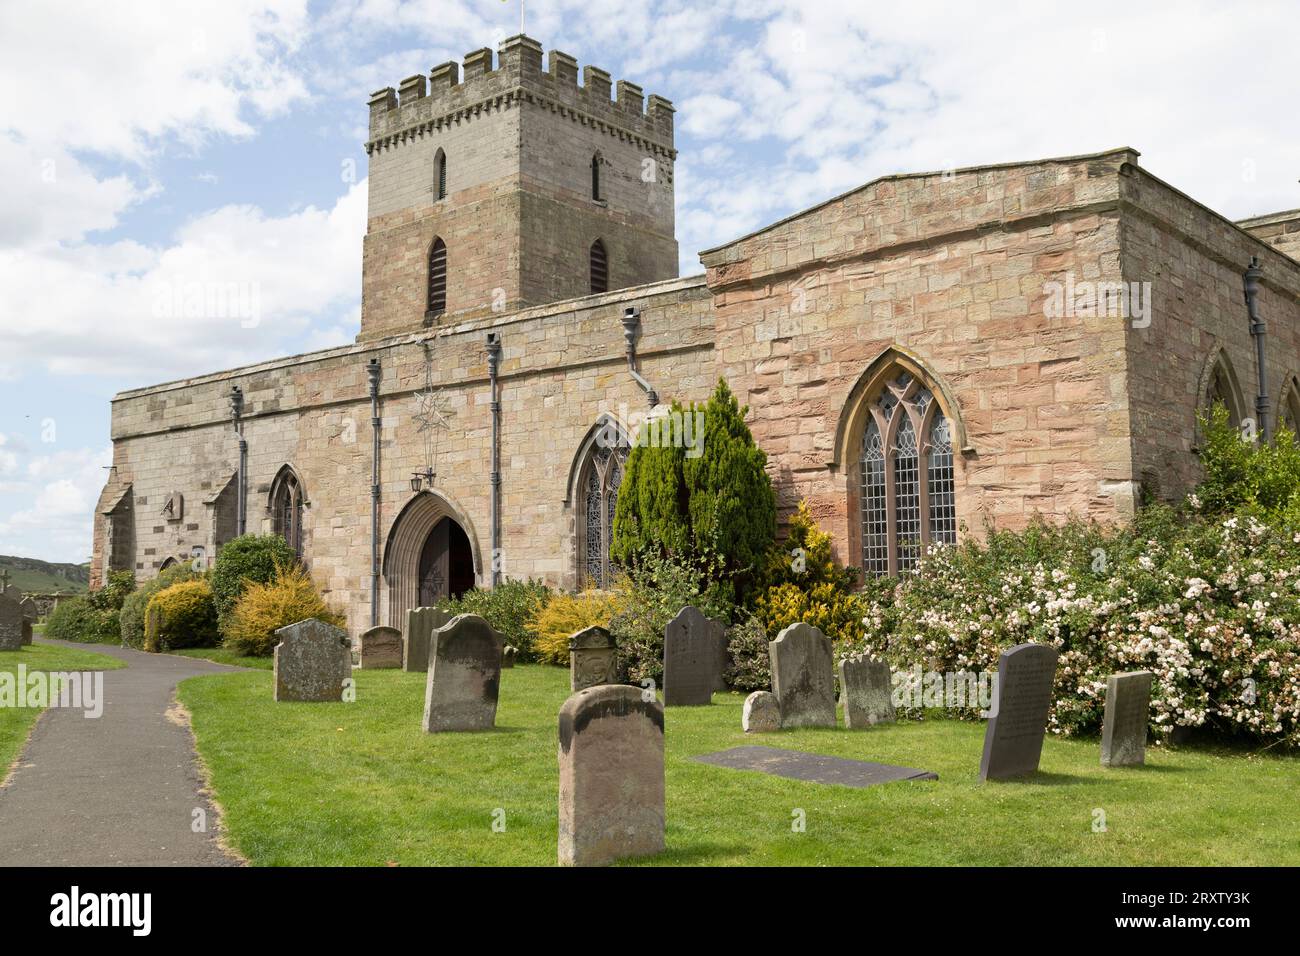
[
  {"x": 865, "y": 690},
  {"x": 1124, "y": 725},
  {"x": 11, "y": 624},
  {"x": 762, "y": 713},
  {"x": 420, "y": 625},
  {"x": 593, "y": 658},
  {"x": 30, "y": 614},
  {"x": 312, "y": 661},
  {"x": 690, "y": 659},
  {"x": 381, "y": 648},
  {"x": 803, "y": 677},
  {"x": 611, "y": 775},
  {"x": 464, "y": 676},
  {"x": 1013, "y": 740}
]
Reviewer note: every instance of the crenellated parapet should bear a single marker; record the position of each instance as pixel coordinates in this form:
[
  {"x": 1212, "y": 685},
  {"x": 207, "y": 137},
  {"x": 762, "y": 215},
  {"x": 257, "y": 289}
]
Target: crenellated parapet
[{"x": 455, "y": 93}]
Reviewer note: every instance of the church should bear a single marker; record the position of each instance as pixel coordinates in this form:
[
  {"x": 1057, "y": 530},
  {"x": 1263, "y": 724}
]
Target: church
[{"x": 921, "y": 355}]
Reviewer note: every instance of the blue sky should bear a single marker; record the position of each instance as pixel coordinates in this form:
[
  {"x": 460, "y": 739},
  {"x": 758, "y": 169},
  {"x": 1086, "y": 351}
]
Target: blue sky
[{"x": 146, "y": 146}]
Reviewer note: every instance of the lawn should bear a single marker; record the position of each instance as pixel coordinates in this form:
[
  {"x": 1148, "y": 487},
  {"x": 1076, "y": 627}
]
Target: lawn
[
  {"x": 16, "y": 723},
  {"x": 222, "y": 655},
  {"x": 339, "y": 784}
]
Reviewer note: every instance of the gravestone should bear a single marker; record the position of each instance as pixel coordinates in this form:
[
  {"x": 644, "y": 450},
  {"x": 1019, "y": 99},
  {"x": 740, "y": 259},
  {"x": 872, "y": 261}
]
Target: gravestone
[
  {"x": 762, "y": 713},
  {"x": 312, "y": 661},
  {"x": 865, "y": 691},
  {"x": 691, "y": 665},
  {"x": 381, "y": 648},
  {"x": 11, "y": 624},
  {"x": 813, "y": 768},
  {"x": 593, "y": 658},
  {"x": 611, "y": 775},
  {"x": 1124, "y": 725},
  {"x": 30, "y": 614},
  {"x": 508, "y": 656},
  {"x": 1013, "y": 740},
  {"x": 421, "y": 622},
  {"x": 464, "y": 676},
  {"x": 803, "y": 677},
  {"x": 723, "y": 655}
]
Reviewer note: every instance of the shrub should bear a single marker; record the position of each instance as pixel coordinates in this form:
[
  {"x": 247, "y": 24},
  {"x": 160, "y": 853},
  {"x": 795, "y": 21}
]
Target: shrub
[
  {"x": 650, "y": 595},
  {"x": 507, "y": 607},
  {"x": 715, "y": 508},
  {"x": 77, "y": 619},
  {"x": 565, "y": 615},
  {"x": 250, "y": 558},
  {"x": 133, "y": 608},
  {"x": 749, "y": 665},
  {"x": 182, "y": 615},
  {"x": 114, "y": 592},
  {"x": 1241, "y": 473},
  {"x": 263, "y": 608}
]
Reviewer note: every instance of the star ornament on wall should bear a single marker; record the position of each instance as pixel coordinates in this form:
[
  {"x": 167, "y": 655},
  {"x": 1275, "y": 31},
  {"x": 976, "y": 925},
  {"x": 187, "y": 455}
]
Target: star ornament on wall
[{"x": 433, "y": 411}]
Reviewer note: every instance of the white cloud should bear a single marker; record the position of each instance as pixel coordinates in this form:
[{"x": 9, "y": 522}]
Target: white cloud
[{"x": 61, "y": 490}]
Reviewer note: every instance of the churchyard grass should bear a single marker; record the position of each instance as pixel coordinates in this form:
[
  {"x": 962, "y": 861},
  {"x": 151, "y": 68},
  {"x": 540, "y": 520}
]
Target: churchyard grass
[
  {"x": 223, "y": 655},
  {"x": 361, "y": 784},
  {"x": 16, "y": 722}
]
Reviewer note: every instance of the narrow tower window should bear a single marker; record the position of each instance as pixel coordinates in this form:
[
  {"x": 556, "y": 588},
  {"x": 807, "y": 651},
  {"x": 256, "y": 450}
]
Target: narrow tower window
[
  {"x": 599, "y": 268},
  {"x": 440, "y": 167},
  {"x": 595, "y": 177},
  {"x": 437, "y": 279}
]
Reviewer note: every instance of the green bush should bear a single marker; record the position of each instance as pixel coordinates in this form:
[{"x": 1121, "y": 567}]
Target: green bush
[
  {"x": 182, "y": 615},
  {"x": 248, "y": 558},
  {"x": 508, "y": 607},
  {"x": 650, "y": 595},
  {"x": 77, "y": 619},
  {"x": 749, "y": 665},
  {"x": 133, "y": 608},
  {"x": 716, "y": 508},
  {"x": 1242, "y": 473}
]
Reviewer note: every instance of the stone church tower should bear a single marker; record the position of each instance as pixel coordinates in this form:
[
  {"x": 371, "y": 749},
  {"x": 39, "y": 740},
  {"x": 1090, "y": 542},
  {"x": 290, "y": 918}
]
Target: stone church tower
[
  {"x": 523, "y": 185},
  {"x": 924, "y": 354}
]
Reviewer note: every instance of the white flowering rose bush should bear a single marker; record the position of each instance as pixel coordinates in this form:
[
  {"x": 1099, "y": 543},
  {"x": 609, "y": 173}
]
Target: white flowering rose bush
[{"x": 1209, "y": 604}]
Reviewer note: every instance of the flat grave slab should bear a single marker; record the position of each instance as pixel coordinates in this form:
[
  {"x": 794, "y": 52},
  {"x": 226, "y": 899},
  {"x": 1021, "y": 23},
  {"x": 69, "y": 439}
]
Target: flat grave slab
[{"x": 814, "y": 768}]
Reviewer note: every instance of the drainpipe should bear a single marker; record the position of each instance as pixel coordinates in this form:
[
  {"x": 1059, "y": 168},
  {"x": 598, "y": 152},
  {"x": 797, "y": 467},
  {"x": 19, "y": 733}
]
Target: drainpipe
[
  {"x": 494, "y": 361},
  {"x": 631, "y": 326},
  {"x": 372, "y": 373},
  {"x": 1251, "y": 280},
  {"x": 241, "y": 488}
]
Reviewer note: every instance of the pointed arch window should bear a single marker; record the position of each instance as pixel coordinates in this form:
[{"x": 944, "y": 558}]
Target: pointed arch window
[
  {"x": 595, "y": 177},
  {"x": 437, "y": 304},
  {"x": 908, "y": 493},
  {"x": 599, "y": 268},
  {"x": 440, "y": 175},
  {"x": 286, "y": 507},
  {"x": 1289, "y": 408},
  {"x": 598, "y": 497}
]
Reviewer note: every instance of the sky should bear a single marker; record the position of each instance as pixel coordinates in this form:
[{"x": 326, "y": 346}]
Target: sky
[{"x": 151, "y": 148}]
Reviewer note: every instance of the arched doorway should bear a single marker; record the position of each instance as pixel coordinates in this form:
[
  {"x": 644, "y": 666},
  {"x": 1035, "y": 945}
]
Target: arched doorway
[
  {"x": 431, "y": 552},
  {"x": 446, "y": 563}
]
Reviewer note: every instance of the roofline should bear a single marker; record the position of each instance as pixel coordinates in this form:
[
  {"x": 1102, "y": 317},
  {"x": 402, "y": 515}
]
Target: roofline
[
  {"x": 894, "y": 177},
  {"x": 1269, "y": 218}
]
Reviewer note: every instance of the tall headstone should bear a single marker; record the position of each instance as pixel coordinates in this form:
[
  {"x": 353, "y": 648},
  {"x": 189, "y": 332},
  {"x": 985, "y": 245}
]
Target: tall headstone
[
  {"x": 722, "y": 656},
  {"x": 803, "y": 676},
  {"x": 593, "y": 658},
  {"x": 761, "y": 713},
  {"x": 1013, "y": 739},
  {"x": 464, "y": 676},
  {"x": 30, "y": 614},
  {"x": 11, "y": 624},
  {"x": 1124, "y": 724},
  {"x": 381, "y": 648},
  {"x": 611, "y": 775},
  {"x": 312, "y": 662},
  {"x": 421, "y": 622},
  {"x": 690, "y": 659},
  {"x": 866, "y": 692}
]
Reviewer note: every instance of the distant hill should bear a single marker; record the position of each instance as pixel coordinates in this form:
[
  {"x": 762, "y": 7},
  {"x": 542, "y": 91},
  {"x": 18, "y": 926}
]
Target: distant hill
[{"x": 29, "y": 574}]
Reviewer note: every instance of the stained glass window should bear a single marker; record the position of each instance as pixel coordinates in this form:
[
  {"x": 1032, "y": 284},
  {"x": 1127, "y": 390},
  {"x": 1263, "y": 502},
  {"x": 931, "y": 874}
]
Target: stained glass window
[
  {"x": 602, "y": 476},
  {"x": 908, "y": 494}
]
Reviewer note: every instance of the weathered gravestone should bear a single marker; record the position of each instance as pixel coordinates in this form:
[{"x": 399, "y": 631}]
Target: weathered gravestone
[
  {"x": 508, "y": 656},
  {"x": 1013, "y": 740},
  {"x": 762, "y": 713},
  {"x": 611, "y": 775},
  {"x": 464, "y": 676},
  {"x": 381, "y": 648},
  {"x": 593, "y": 658},
  {"x": 691, "y": 661},
  {"x": 1124, "y": 725},
  {"x": 814, "y": 768},
  {"x": 11, "y": 624},
  {"x": 421, "y": 622},
  {"x": 866, "y": 692},
  {"x": 803, "y": 677},
  {"x": 30, "y": 614},
  {"x": 312, "y": 662}
]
